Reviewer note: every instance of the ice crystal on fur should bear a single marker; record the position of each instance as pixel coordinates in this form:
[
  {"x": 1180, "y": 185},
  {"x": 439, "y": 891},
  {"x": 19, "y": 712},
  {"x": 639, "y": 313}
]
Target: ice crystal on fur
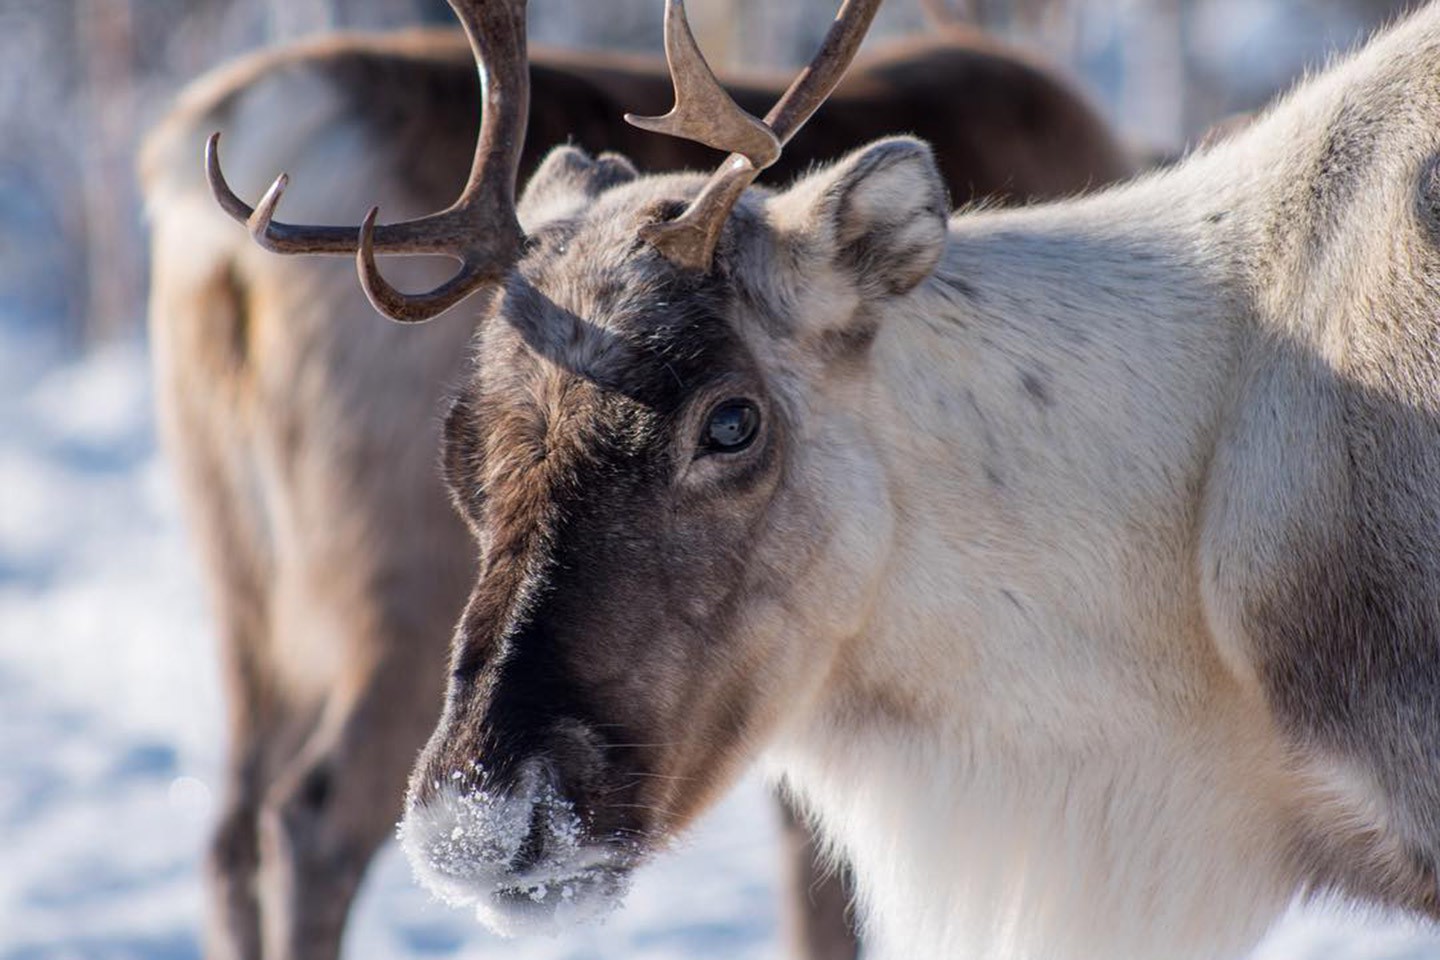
[{"x": 476, "y": 847}]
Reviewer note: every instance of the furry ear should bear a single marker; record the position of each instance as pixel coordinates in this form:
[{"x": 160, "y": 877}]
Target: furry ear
[
  {"x": 565, "y": 180},
  {"x": 880, "y": 213}
]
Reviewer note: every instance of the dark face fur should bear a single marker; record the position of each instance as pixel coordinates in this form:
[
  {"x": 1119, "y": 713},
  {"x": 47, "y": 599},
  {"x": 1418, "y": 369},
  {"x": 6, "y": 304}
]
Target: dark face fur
[{"x": 626, "y": 465}]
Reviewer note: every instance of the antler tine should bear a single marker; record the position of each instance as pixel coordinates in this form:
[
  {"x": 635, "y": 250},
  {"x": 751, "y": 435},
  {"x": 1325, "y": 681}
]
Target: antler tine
[
  {"x": 479, "y": 229},
  {"x": 418, "y": 307},
  {"x": 704, "y": 111},
  {"x": 260, "y": 220},
  {"x": 690, "y": 239},
  {"x": 289, "y": 238},
  {"x": 822, "y": 75}
]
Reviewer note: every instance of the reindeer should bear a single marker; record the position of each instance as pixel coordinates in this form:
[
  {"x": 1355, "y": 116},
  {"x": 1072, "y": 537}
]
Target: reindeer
[
  {"x": 307, "y": 437},
  {"x": 1074, "y": 565}
]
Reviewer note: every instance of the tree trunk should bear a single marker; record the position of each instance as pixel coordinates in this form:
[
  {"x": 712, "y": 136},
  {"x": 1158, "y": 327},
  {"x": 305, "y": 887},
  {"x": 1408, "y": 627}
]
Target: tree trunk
[{"x": 106, "y": 47}]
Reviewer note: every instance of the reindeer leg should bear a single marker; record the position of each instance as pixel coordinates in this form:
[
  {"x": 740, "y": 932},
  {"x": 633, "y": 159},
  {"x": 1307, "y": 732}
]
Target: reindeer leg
[
  {"x": 818, "y": 918},
  {"x": 340, "y": 800},
  {"x": 256, "y": 721},
  {"x": 233, "y": 921},
  {"x": 233, "y": 863}
]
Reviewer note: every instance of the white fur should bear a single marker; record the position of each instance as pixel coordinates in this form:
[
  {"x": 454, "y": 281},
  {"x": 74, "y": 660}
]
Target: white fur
[{"x": 1080, "y": 764}]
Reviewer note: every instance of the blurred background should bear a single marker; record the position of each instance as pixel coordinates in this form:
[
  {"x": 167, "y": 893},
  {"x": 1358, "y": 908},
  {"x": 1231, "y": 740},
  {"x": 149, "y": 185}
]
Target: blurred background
[
  {"x": 83, "y": 79},
  {"x": 109, "y": 705}
]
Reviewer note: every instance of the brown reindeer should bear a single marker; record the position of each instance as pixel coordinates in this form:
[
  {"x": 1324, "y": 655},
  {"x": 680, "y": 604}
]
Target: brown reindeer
[{"x": 306, "y": 431}]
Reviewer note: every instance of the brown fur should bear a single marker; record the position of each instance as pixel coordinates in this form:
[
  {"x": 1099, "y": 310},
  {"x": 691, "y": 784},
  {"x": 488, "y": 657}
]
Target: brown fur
[
  {"x": 1016, "y": 131},
  {"x": 620, "y": 370},
  {"x": 305, "y": 430}
]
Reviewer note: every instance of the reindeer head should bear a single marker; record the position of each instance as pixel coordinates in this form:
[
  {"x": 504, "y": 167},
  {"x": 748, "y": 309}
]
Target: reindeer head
[{"x": 661, "y": 454}]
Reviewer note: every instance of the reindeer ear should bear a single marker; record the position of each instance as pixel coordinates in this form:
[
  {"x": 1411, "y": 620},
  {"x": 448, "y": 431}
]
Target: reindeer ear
[
  {"x": 880, "y": 213},
  {"x": 565, "y": 180}
]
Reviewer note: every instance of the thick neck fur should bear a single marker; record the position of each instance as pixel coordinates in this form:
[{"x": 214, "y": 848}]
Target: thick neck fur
[
  {"x": 1064, "y": 753},
  {"x": 1043, "y": 682}
]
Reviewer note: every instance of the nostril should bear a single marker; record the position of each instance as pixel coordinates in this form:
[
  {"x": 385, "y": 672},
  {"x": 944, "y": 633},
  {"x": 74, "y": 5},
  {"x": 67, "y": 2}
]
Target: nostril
[
  {"x": 514, "y": 846},
  {"x": 532, "y": 847}
]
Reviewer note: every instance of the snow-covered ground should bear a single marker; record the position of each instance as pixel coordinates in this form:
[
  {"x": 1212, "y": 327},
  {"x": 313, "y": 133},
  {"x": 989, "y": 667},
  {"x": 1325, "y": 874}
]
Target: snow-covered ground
[{"x": 110, "y": 732}]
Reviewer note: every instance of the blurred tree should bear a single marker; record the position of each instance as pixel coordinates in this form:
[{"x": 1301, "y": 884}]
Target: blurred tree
[
  {"x": 40, "y": 269},
  {"x": 105, "y": 35}
]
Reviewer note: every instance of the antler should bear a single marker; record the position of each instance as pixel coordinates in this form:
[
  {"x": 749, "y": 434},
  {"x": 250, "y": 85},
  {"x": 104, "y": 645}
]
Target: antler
[
  {"x": 705, "y": 113},
  {"x": 479, "y": 229}
]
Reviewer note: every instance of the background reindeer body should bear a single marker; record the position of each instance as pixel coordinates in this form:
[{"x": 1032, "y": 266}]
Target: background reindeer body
[
  {"x": 1084, "y": 588},
  {"x": 307, "y": 431}
]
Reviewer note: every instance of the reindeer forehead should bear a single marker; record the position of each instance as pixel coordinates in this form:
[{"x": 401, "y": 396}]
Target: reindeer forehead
[
  {"x": 581, "y": 377},
  {"x": 598, "y": 343},
  {"x": 631, "y": 325},
  {"x": 588, "y": 255}
]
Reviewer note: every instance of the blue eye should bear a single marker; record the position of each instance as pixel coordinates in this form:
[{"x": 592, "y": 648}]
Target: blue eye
[{"x": 731, "y": 427}]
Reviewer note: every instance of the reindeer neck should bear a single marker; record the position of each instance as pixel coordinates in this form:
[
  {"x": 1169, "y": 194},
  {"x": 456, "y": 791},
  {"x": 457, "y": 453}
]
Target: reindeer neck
[
  {"x": 1050, "y": 399},
  {"x": 1038, "y": 683},
  {"x": 1047, "y": 406}
]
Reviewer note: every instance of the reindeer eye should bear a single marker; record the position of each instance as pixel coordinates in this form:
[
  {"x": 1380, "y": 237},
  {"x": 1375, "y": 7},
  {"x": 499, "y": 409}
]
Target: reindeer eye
[{"x": 731, "y": 427}]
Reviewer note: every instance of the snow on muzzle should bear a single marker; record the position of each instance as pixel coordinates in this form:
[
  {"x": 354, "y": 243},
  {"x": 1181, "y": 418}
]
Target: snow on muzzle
[{"x": 518, "y": 853}]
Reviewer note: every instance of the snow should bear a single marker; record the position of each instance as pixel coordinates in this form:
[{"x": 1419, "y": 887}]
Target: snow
[{"x": 111, "y": 733}]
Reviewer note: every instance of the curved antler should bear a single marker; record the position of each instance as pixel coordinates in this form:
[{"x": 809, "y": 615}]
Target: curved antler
[
  {"x": 705, "y": 113},
  {"x": 479, "y": 229}
]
